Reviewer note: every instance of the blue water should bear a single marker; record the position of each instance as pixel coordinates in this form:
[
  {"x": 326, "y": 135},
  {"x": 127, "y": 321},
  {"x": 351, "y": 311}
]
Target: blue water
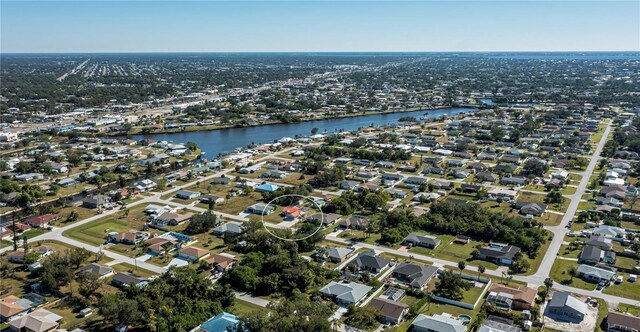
[{"x": 214, "y": 142}]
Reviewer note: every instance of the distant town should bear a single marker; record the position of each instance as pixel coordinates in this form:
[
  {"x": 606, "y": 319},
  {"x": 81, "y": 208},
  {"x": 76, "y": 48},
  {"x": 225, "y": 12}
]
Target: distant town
[{"x": 320, "y": 192}]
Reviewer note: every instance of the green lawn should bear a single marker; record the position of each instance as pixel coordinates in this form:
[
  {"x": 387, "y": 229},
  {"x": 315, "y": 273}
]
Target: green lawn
[
  {"x": 242, "y": 308},
  {"x": 569, "y": 252},
  {"x": 559, "y": 273},
  {"x": 238, "y": 204},
  {"x": 624, "y": 308},
  {"x": 125, "y": 267},
  {"x": 96, "y": 232},
  {"x": 630, "y": 290}
]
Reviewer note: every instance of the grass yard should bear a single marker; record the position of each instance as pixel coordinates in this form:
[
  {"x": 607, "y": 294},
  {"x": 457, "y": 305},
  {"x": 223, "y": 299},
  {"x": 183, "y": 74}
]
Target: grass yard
[
  {"x": 586, "y": 206},
  {"x": 630, "y": 290},
  {"x": 559, "y": 273},
  {"x": 471, "y": 295},
  {"x": 70, "y": 312},
  {"x": 627, "y": 308},
  {"x": 241, "y": 308},
  {"x": 33, "y": 233},
  {"x": 83, "y": 213},
  {"x": 238, "y": 204},
  {"x": 96, "y": 231},
  {"x": 535, "y": 262},
  {"x": 125, "y": 267},
  {"x": 569, "y": 252}
]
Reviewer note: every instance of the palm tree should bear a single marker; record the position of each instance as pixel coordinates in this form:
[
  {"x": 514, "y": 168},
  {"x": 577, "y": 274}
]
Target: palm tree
[
  {"x": 572, "y": 272},
  {"x": 481, "y": 270},
  {"x": 461, "y": 266}
]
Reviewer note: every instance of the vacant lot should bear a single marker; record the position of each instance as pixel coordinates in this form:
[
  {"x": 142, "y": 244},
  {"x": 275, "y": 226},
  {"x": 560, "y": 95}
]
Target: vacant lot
[{"x": 96, "y": 231}]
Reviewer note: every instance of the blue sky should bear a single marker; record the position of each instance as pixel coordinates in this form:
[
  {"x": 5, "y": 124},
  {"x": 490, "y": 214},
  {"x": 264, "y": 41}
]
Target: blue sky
[{"x": 270, "y": 26}]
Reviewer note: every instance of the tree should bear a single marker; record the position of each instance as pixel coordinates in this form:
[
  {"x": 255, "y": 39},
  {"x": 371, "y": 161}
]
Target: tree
[
  {"x": 314, "y": 130},
  {"x": 573, "y": 272},
  {"x": 119, "y": 311},
  {"x": 481, "y": 270},
  {"x": 450, "y": 286},
  {"x": 73, "y": 216},
  {"x": 364, "y": 318},
  {"x": 56, "y": 272},
  {"x": 202, "y": 223},
  {"x": 461, "y": 266},
  {"x": 548, "y": 282},
  {"x": 78, "y": 256},
  {"x": 89, "y": 283},
  {"x": 243, "y": 277}
]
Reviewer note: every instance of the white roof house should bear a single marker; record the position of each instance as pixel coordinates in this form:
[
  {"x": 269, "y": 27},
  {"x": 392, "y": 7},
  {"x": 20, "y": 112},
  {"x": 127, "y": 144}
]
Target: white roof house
[{"x": 438, "y": 323}]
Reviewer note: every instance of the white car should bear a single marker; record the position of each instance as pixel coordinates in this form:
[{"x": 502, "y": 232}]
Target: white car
[{"x": 571, "y": 234}]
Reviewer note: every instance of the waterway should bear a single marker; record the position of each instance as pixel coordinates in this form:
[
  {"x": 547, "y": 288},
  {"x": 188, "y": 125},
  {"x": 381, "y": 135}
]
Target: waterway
[{"x": 215, "y": 142}]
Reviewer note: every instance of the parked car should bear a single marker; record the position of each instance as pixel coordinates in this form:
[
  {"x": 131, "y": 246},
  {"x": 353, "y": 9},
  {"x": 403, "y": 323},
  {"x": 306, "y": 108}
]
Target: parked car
[{"x": 571, "y": 234}]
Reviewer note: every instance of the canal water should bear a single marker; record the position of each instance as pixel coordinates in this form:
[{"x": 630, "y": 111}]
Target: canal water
[{"x": 215, "y": 142}]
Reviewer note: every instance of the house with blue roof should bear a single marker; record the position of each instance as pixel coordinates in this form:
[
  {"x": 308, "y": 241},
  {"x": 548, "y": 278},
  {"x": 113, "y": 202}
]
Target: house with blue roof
[
  {"x": 223, "y": 322},
  {"x": 267, "y": 187}
]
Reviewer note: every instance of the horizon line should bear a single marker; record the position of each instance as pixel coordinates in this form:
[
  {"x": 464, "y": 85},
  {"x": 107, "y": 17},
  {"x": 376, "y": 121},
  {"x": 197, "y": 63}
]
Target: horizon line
[{"x": 294, "y": 52}]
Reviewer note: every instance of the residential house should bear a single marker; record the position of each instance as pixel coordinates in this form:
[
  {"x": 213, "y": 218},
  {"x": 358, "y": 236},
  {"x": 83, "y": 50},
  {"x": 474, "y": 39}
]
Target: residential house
[
  {"x": 413, "y": 275},
  {"x": 502, "y": 254},
  {"x": 498, "y": 324},
  {"x": 126, "y": 279},
  {"x": 514, "y": 180},
  {"x": 223, "y": 322},
  {"x": 231, "y": 227},
  {"x": 438, "y": 323},
  {"x": 594, "y": 274},
  {"x": 101, "y": 270},
  {"x": 193, "y": 254},
  {"x": 567, "y": 307},
  {"x": 207, "y": 198},
  {"x": 337, "y": 255},
  {"x": 392, "y": 312},
  {"x": 221, "y": 262},
  {"x": 528, "y": 208},
  {"x": 267, "y": 187},
  {"x": 415, "y": 180},
  {"x": 261, "y": 209},
  {"x": 145, "y": 185},
  {"x": 131, "y": 237},
  {"x": 221, "y": 180},
  {"x": 622, "y": 322},
  {"x": 609, "y": 231},
  {"x": 292, "y": 212},
  {"x": 397, "y": 193},
  {"x": 42, "y": 220},
  {"x": 172, "y": 218},
  {"x": 349, "y": 185},
  {"x": 519, "y": 298},
  {"x": 187, "y": 194},
  {"x": 345, "y": 293},
  {"x": 369, "y": 261},
  {"x": 487, "y": 176},
  {"x": 95, "y": 202},
  {"x": 13, "y": 307},
  {"x": 507, "y": 195},
  {"x": 593, "y": 255},
  {"x": 600, "y": 241},
  {"x": 415, "y": 239},
  {"x": 159, "y": 245},
  {"x": 355, "y": 222},
  {"x": 40, "y": 320},
  {"x": 327, "y": 218}
]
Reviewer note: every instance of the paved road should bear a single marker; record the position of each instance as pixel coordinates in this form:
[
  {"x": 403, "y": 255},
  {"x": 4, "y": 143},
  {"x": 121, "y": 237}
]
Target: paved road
[
  {"x": 533, "y": 280},
  {"x": 560, "y": 230}
]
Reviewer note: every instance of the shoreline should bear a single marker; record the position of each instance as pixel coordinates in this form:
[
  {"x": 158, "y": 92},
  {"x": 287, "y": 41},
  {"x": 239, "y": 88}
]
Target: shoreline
[{"x": 138, "y": 131}]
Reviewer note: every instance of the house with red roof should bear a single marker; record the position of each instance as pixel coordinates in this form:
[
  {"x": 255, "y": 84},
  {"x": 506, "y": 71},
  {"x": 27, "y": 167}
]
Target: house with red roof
[{"x": 42, "y": 220}]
